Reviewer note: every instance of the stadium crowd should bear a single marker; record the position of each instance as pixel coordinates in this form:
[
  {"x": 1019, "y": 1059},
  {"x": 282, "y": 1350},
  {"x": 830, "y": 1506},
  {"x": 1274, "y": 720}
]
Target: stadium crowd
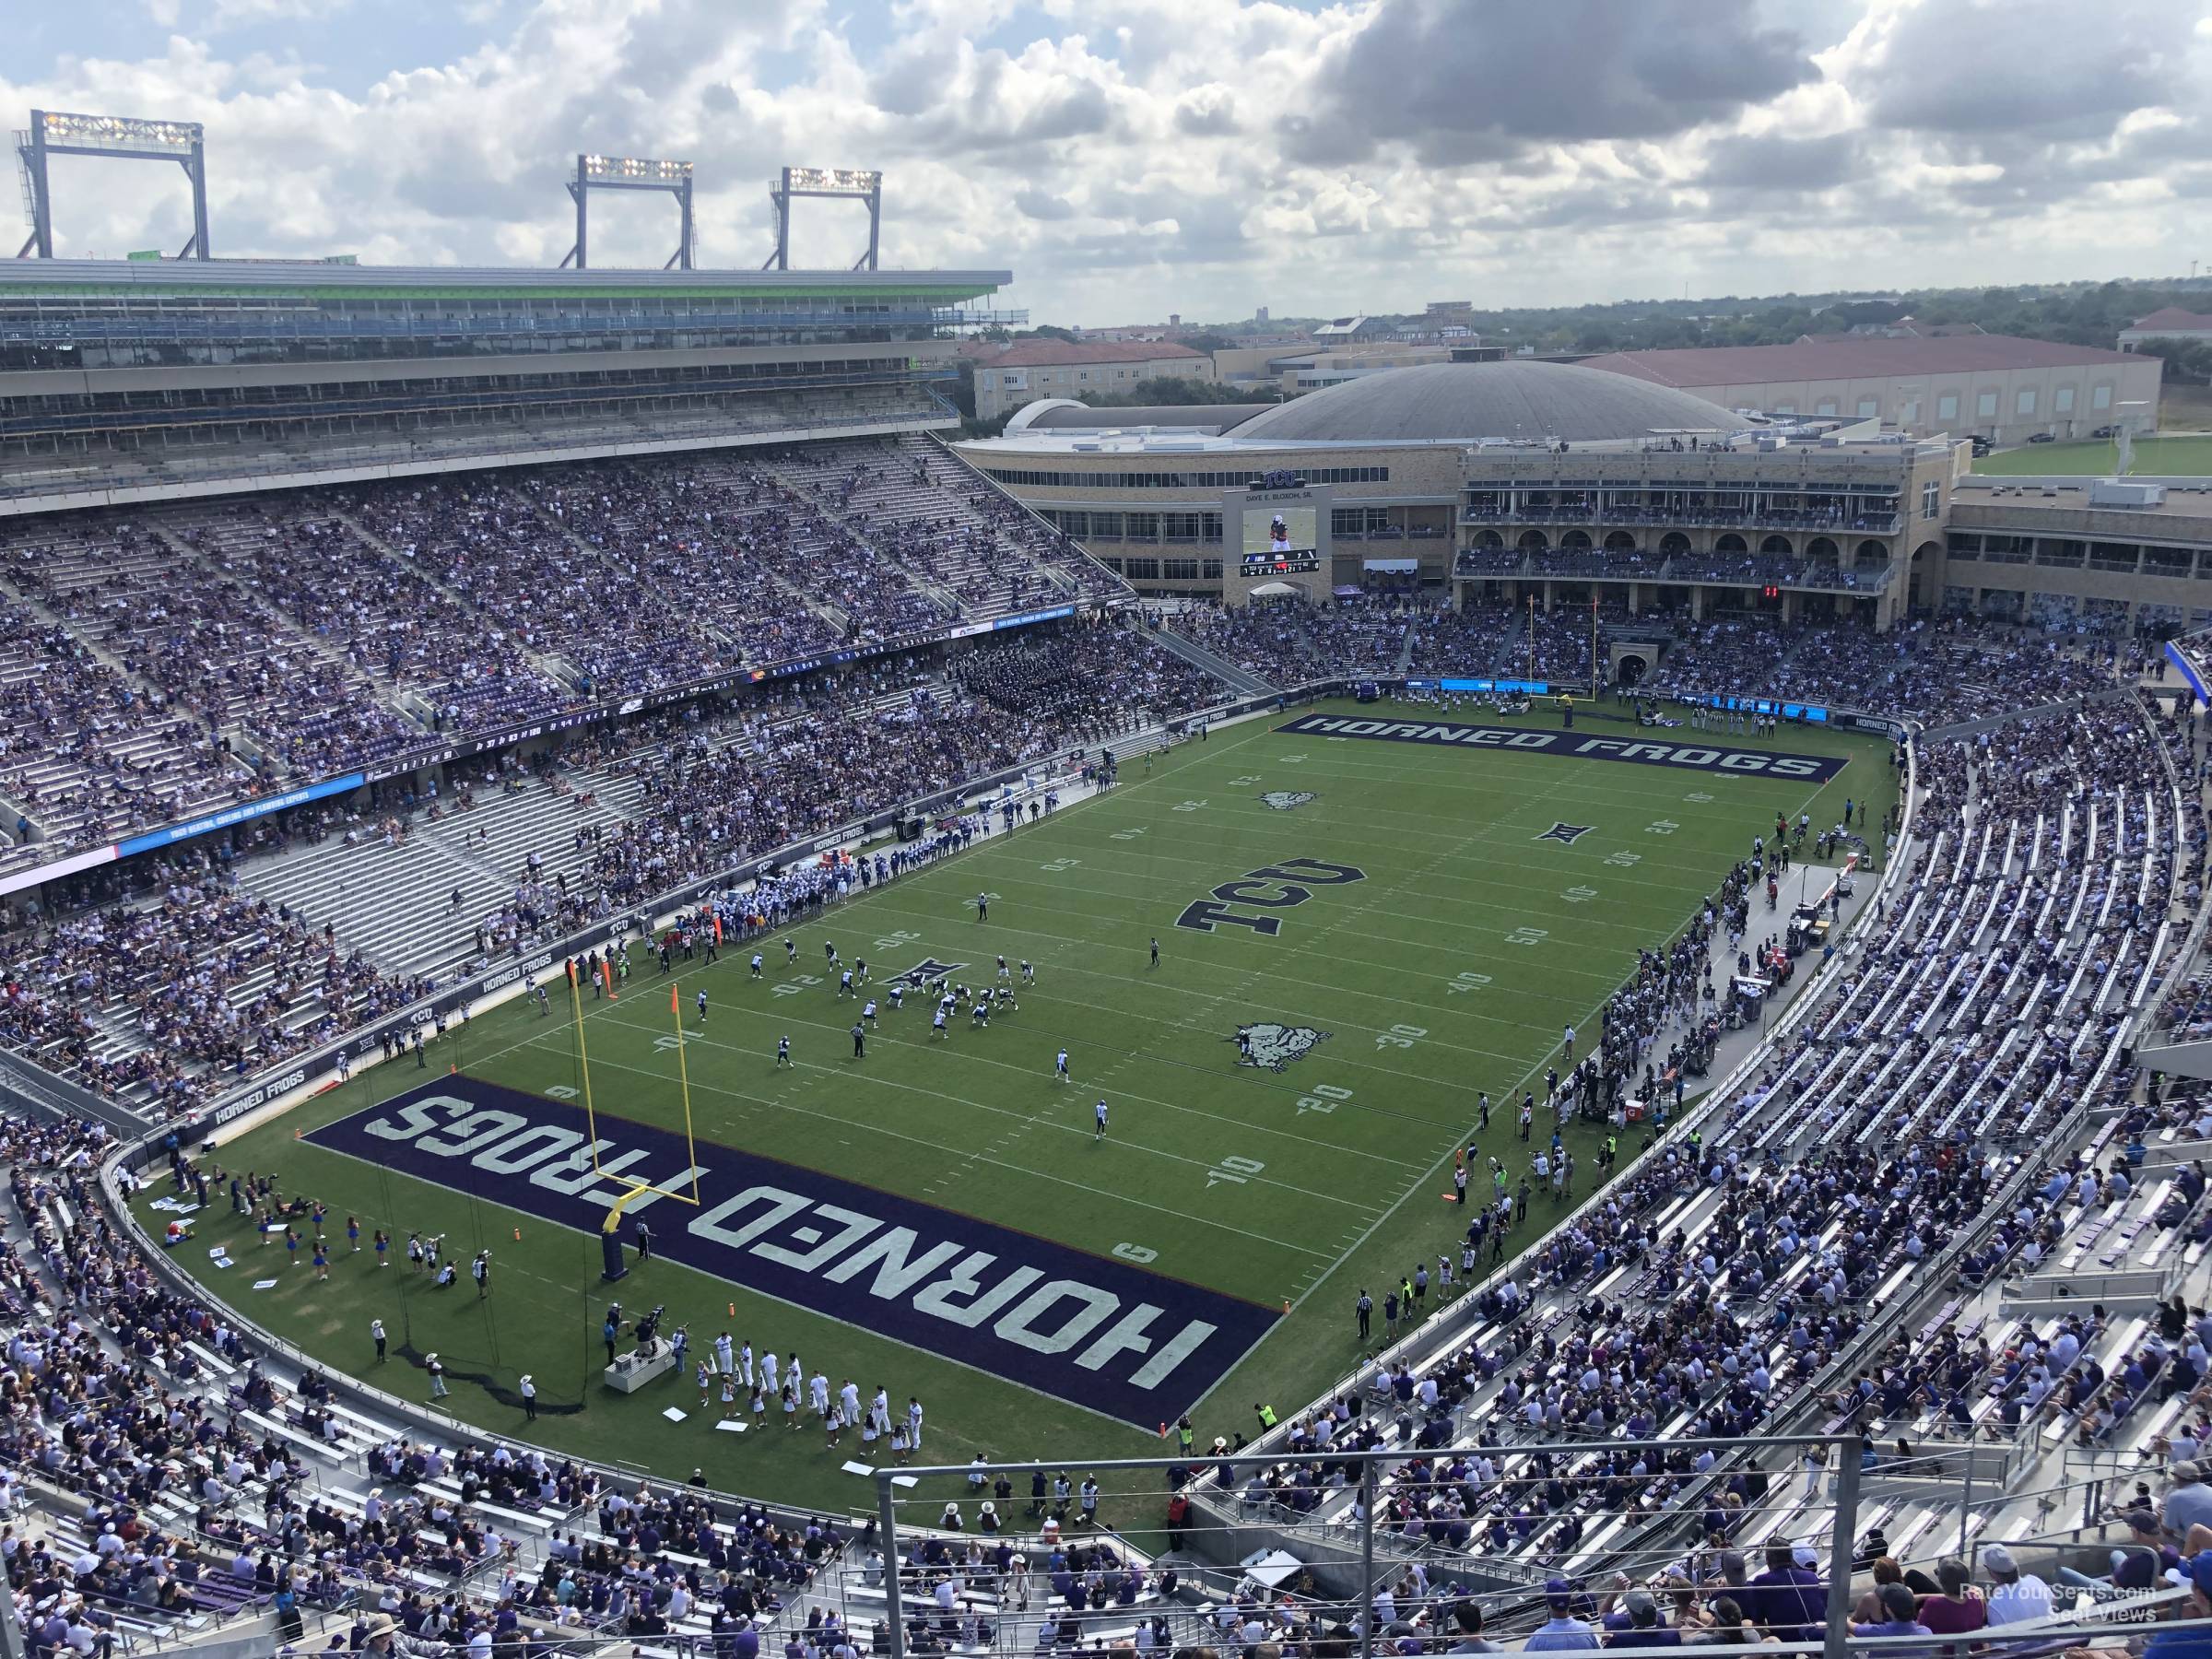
[
  {"x": 160, "y": 662},
  {"x": 1289, "y": 643}
]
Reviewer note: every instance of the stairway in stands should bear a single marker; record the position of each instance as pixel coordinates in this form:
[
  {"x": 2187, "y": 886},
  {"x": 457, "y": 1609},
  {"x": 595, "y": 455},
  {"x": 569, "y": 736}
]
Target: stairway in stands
[
  {"x": 412, "y": 926},
  {"x": 1220, "y": 668}
]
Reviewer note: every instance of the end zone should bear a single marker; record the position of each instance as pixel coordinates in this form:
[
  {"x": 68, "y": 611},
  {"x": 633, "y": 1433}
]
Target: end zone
[
  {"x": 1094, "y": 1331},
  {"x": 1578, "y": 745}
]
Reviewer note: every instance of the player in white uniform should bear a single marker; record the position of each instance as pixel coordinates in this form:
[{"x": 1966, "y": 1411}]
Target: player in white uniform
[
  {"x": 844, "y": 983},
  {"x": 1060, "y": 1067},
  {"x": 755, "y": 964},
  {"x": 936, "y": 1023},
  {"x": 1098, "y": 1116},
  {"x": 898, "y": 995},
  {"x": 1029, "y": 974},
  {"x": 867, "y": 1013},
  {"x": 1005, "y": 977}
]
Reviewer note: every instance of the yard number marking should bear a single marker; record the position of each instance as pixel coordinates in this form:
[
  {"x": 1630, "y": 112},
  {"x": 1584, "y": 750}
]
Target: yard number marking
[
  {"x": 1528, "y": 935},
  {"x": 1401, "y": 1036},
  {"x": 1466, "y": 981},
  {"x": 1236, "y": 1170},
  {"x": 1325, "y": 1097}
]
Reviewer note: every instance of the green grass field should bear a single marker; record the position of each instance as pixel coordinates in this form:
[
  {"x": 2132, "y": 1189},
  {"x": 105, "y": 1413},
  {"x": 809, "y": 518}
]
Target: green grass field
[
  {"x": 2154, "y": 457},
  {"x": 1449, "y": 968}
]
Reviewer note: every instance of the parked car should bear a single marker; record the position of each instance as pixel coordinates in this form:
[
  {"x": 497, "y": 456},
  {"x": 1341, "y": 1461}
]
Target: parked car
[
  {"x": 2041, "y": 438},
  {"x": 2106, "y": 431}
]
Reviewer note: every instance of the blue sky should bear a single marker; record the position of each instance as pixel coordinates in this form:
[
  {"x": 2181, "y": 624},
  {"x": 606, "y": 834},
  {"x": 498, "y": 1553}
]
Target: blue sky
[{"x": 1127, "y": 158}]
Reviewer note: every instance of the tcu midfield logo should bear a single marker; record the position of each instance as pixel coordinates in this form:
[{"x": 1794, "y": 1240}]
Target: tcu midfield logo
[
  {"x": 1277, "y": 886},
  {"x": 1285, "y": 800}
]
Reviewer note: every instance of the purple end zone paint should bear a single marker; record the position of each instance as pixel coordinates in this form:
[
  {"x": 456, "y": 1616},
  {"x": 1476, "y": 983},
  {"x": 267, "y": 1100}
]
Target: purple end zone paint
[
  {"x": 1089, "y": 1329},
  {"x": 1711, "y": 759}
]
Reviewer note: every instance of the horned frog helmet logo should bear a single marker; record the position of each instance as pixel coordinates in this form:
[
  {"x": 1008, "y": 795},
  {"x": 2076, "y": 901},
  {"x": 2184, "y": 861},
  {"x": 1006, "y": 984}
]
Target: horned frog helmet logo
[
  {"x": 1275, "y": 1046},
  {"x": 1283, "y": 800}
]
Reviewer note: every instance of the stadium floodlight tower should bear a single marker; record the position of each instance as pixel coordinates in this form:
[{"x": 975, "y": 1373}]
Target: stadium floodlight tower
[
  {"x": 845, "y": 182},
  {"x": 630, "y": 172},
  {"x": 123, "y": 137}
]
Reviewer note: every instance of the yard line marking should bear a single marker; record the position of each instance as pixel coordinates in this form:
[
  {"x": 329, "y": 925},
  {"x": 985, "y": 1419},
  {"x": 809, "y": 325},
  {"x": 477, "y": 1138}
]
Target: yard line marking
[
  {"x": 1593, "y": 1019},
  {"x": 785, "y": 1015},
  {"x": 1080, "y": 1131},
  {"x": 1286, "y": 947}
]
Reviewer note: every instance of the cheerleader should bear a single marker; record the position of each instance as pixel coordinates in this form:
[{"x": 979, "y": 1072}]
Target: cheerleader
[
  {"x": 868, "y": 1431},
  {"x": 791, "y": 1405},
  {"x": 898, "y": 1447},
  {"x": 703, "y": 1385},
  {"x": 836, "y": 1423},
  {"x": 729, "y": 1393}
]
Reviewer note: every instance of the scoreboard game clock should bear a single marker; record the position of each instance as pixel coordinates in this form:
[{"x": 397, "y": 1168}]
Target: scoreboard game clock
[{"x": 1257, "y": 566}]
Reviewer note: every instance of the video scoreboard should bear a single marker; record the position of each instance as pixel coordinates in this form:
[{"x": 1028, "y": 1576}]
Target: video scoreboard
[{"x": 1280, "y": 528}]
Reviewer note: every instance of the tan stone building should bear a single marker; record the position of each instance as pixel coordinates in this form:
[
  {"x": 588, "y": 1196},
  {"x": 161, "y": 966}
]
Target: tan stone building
[
  {"x": 1995, "y": 386},
  {"x": 1513, "y": 481},
  {"x": 1027, "y": 369}
]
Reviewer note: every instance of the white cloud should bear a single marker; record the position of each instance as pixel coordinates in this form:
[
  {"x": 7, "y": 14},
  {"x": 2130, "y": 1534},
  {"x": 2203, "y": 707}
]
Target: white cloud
[{"x": 1129, "y": 157}]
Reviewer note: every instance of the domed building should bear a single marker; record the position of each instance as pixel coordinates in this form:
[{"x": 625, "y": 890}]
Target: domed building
[
  {"x": 1500, "y": 480},
  {"x": 1508, "y": 401}
]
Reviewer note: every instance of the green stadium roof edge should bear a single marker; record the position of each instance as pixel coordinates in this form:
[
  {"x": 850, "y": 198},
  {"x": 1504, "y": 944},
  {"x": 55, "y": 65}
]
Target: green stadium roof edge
[{"x": 314, "y": 279}]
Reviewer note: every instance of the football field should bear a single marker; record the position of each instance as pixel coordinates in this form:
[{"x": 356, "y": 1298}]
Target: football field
[{"x": 1396, "y": 917}]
